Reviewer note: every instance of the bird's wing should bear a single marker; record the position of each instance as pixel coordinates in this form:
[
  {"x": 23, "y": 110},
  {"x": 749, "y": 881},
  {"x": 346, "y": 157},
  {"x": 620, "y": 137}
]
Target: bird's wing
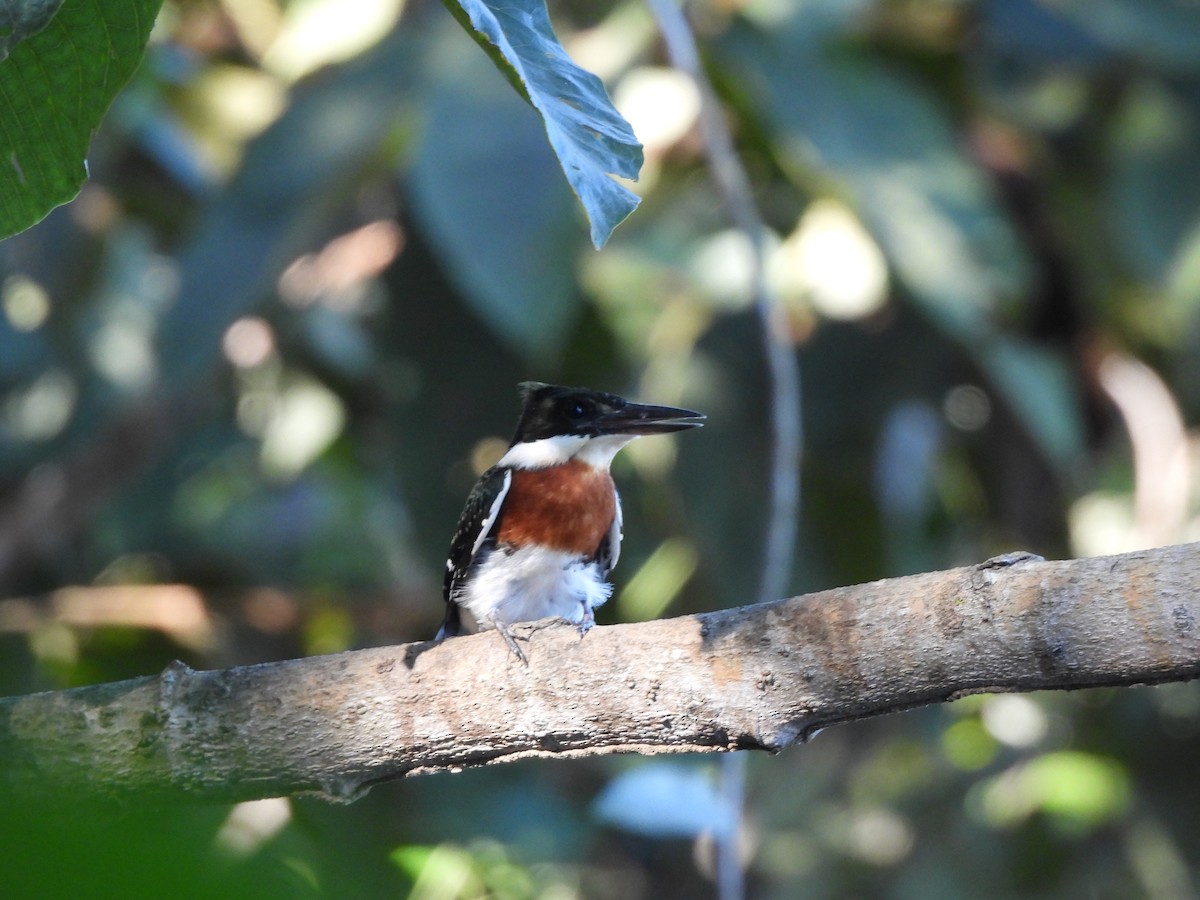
[
  {"x": 475, "y": 534},
  {"x": 609, "y": 550}
]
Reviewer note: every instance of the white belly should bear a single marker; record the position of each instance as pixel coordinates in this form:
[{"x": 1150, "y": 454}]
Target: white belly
[{"x": 529, "y": 584}]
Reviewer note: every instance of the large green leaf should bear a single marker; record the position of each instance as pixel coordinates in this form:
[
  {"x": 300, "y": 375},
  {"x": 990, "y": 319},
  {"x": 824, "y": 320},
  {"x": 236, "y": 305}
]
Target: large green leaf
[
  {"x": 60, "y": 75},
  {"x": 589, "y": 136}
]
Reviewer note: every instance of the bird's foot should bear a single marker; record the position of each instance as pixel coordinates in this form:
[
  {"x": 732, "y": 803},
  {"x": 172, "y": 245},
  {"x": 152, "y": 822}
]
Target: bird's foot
[
  {"x": 1011, "y": 559},
  {"x": 509, "y": 630},
  {"x": 511, "y": 640},
  {"x": 587, "y": 622},
  {"x": 522, "y": 631}
]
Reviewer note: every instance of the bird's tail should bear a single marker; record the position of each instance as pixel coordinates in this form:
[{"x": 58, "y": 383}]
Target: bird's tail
[{"x": 451, "y": 625}]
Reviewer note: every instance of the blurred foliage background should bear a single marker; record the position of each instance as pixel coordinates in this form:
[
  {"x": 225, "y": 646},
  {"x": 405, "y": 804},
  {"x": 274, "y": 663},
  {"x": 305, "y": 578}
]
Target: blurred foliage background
[{"x": 248, "y": 376}]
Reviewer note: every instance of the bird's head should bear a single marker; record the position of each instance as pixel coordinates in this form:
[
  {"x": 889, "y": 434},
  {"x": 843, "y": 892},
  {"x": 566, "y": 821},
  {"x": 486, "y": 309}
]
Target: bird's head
[{"x": 562, "y": 423}]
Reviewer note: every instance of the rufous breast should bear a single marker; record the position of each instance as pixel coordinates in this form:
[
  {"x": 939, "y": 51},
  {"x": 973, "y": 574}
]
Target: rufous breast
[{"x": 569, "y": 507}]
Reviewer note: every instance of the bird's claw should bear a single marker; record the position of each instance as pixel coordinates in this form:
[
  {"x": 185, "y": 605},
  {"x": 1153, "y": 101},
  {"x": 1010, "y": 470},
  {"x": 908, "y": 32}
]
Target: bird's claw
[
  {"x": 586, "y": 623},
  {"x": 510, "y": 638},
  {"x": 1011, "y": 559}
]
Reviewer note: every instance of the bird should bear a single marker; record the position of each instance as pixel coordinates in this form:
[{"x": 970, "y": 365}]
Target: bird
[{"x": 541, "y": 529}]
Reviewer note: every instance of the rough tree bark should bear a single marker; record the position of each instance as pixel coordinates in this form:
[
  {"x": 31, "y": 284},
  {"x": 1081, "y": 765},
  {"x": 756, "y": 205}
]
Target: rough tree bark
[{"x": 758, "y": 677}]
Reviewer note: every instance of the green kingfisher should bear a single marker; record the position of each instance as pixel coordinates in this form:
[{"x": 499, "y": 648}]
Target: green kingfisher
[{"x": 541, "y": 529}]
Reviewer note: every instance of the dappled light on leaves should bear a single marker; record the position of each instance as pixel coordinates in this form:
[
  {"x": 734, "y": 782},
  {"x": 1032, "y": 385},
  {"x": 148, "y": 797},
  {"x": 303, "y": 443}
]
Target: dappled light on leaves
[
  {"x": 26, "y": 303},
  {"x": 328, "y": 630},
  {"x": 723, "y": 266},
  {"x": 968, "y": 745},
  {"x": 662, "y": 106},
  {"x": 658, "y": 582},
  {"x": 831, "y": 262},
  {"x": 1075, "y": 791},
  {"x": 176, "y": 610},
  {"x": 335, "y": 274},
  {"x": 248, "y": 342},
  {"x": 272, "y": 611},
  {"x": 225, "y": 108},
  {"x": 877, "y": 836},
  {"x": 967, "y": 406},
  {"x": 305, "y": 419},
  {"x": 486, "y": 453},
  {"x": 1014, "y": 720},
  {"x": 316, "y": 33},
  {"x": 40, "y": 410},
  {"x": 482, "y": 869},
  {"x": 251, "y": 824}
]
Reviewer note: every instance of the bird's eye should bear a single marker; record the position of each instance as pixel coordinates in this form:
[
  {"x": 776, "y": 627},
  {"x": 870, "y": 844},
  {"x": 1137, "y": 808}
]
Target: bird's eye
[{"x": 577, "y": 409}]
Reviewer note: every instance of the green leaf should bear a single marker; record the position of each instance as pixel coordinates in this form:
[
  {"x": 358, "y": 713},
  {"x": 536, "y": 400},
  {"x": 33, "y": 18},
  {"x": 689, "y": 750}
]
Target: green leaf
[
  {"x": 55, "y": 86},
  {"x": 589, "y": 136}
]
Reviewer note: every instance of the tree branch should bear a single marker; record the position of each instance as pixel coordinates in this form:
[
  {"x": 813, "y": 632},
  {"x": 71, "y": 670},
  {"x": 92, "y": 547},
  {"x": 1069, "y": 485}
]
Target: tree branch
[{"x": 758, "y": 677}]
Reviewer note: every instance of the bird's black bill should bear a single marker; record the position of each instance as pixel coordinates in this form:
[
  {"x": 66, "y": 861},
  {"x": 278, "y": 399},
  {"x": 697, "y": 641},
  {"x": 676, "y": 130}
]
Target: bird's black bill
[{"x": 637, "y": 418}]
